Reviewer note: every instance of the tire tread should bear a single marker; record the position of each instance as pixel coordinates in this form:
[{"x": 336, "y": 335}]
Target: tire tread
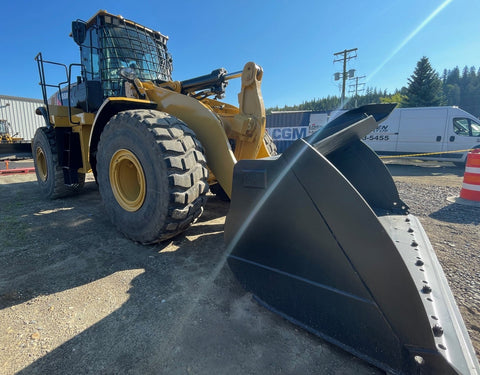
[{"x": 186, "y": 170}]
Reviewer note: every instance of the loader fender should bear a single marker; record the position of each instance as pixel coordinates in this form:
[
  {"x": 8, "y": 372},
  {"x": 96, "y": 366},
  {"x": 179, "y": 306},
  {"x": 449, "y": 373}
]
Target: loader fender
[
  {"x": 108, "y": 109},
  {"x": 207, "y": 127},
  {"x": 321, "y": 236},
  {"x": 42, "y": 111}
]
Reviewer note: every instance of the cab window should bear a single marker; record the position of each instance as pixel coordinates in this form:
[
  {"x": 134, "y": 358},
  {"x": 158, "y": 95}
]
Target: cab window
[
  {"x": 466, "y": 127},
  {"x": 89, "y": 55}
]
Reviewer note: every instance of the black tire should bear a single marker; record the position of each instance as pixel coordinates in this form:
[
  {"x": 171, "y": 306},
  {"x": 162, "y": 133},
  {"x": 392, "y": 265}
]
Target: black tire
[
  {"x": 49, "y": 172},
  {"x": 152, "y": 175}
]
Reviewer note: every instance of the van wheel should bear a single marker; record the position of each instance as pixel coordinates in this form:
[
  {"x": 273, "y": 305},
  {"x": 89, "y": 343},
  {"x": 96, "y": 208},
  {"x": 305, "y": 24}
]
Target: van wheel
[
  {"x": 152, "y": 175},
  {"x": 49, "y": 172}
]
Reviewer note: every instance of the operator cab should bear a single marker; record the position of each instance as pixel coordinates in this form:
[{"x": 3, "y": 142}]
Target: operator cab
[{"x": 109, "y": 43}]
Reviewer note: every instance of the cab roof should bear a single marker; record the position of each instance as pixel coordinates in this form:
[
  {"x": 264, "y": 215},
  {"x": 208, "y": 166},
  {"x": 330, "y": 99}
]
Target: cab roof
[{"x": 93, "y": 21}]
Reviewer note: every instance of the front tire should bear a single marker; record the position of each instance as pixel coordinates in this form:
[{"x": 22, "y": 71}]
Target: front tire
[{"x": 152, "y": 175}]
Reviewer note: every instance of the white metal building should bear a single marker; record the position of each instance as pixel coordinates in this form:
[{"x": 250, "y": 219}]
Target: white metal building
[{"x": 20, "y": 113}]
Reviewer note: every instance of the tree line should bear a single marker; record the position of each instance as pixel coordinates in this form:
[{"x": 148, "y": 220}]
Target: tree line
[{"x": 425, "y": 88}]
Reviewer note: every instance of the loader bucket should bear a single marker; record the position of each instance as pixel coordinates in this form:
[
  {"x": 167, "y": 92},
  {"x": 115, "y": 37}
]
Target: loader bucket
[{"x": 320, "y": 236}]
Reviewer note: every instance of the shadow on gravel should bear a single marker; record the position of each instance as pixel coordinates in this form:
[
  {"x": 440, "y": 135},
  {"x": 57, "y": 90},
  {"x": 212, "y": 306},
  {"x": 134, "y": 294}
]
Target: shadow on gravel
[
  {"x": 185, "y": 312},
  {"x": 457, "y": 213},
  {"x": 49, "y": 246},
  {"x": 145, "y": 333}
]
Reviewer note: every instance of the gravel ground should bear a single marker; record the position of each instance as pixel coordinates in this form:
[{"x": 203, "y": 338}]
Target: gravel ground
[
  {"x": 453, "y": 229},
  {"x": 77, "y": 297}
]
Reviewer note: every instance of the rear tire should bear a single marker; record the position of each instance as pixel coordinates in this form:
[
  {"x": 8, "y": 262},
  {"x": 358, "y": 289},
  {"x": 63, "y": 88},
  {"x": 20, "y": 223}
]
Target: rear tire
[
  {"x": 49, "y": 172},
  {"x": 152, "y": 175}
]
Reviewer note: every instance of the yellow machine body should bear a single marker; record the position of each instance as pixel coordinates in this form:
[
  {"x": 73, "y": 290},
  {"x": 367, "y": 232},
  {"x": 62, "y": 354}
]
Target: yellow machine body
[{"x": 214, "y": 122}]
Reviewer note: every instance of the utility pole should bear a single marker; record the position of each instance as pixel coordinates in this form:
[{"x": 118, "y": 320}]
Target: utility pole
[
  {"x": 354, "y": 87},
  {"x": 345, "y": 56}
]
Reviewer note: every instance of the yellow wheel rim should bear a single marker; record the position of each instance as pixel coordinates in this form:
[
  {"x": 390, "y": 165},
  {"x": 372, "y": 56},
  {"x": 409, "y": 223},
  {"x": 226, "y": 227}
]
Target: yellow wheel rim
[
  {"x": 41, "y": 164},
  {"x": 127, "y": 180}
]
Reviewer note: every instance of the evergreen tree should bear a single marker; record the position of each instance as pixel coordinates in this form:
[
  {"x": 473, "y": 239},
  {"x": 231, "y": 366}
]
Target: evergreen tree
[
  {"x": 473, "y": 73},
  {"x": 424, "y": 86},
  {"x": 444, "y": 76},
  {"x": 470, "y": 90},
  {"x": 453, "y": 77},
  {"x": 451, "y": 87},
  {"x": 452, "y": 94}
]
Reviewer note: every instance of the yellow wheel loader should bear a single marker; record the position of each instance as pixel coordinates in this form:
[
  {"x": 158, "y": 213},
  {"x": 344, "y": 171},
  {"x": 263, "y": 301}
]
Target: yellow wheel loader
[
  {"x": 318, "y": 234},
  {"x": 9, "y": 142}
]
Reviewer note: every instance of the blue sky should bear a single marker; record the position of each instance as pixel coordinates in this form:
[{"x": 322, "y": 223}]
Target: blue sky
[{"x": 294, "y": 41}]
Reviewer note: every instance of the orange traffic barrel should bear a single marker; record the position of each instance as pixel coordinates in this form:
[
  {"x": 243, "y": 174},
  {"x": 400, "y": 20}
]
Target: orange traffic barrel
[{"x": 471, "y": 178}]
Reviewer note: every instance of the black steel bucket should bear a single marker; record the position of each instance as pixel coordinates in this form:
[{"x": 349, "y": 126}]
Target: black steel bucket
[{"x": 320, "y": 236}]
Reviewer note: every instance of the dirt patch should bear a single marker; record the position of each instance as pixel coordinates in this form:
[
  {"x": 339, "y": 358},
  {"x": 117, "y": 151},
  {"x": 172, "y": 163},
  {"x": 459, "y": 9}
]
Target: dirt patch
[{"x": 78, "y": 297}]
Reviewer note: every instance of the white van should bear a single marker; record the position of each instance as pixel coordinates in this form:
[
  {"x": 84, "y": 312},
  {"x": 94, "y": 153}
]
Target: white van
[{"x": 443, "y": 133}]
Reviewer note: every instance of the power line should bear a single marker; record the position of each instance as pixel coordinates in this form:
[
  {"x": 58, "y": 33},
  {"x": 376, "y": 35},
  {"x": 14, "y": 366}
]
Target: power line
[
  {"x": 344, "y": 56},
  {"x": 356, "y": 87}
]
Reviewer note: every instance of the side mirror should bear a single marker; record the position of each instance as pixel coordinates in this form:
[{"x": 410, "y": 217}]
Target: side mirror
[{"x": 79, "y": 31}]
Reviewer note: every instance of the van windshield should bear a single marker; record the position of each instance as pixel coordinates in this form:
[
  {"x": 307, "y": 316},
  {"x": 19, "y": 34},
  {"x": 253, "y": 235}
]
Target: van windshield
[
  {"x": 466, "y": 127},
  {"x": 475, "y": 129}
]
